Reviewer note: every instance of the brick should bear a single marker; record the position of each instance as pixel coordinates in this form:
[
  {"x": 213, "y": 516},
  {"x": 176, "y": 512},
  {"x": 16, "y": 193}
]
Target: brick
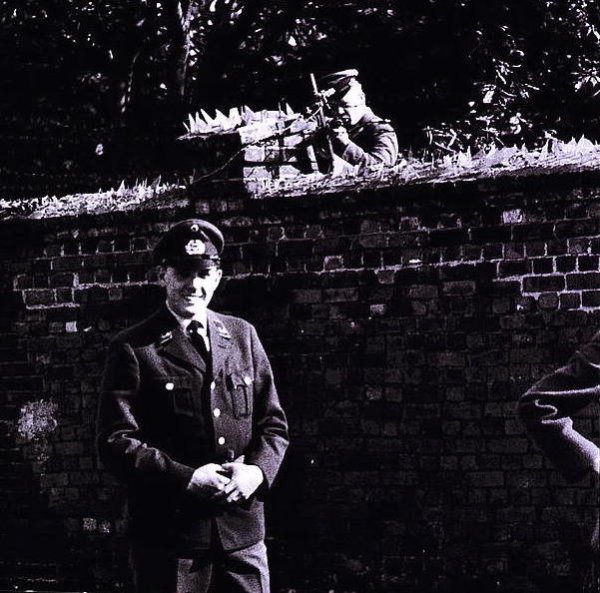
[
  {"x": 543, "y": 265},
  {"x": 583, "y": 281},
  {"x": 423, "y": 291},
  {"x": 514, "y": 268},
  {"x": 533, "y": 231},
  {"x": 67, "y": 264},
  {"x": 446, "y": 237},
  {"x": 566, "y": 263},
  {"x": 458, "y": 287},
  {"x": 587, "y": 263},
  {"x": 535, "y": 249},
  {"x": 574, "y": 228},
  {"x": 63, "y": 280},
  {"x": 39, "y": 297},
  {"x": 570, "y": 300},
  {"x": 486, "y": 479},
  {"x": 548, "y": 301},
  {"x": 543, "y": 283},
  {"x": 589, "y": 298}
]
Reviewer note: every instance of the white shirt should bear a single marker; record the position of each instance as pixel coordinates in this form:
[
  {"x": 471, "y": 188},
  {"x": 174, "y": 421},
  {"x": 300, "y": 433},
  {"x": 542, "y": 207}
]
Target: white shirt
[{"x": 184, "y": 322}]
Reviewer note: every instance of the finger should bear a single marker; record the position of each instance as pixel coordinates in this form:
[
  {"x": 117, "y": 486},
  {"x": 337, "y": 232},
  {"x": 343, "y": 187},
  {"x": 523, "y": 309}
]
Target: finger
[
  {"x": 235, "y": 496},
  {"x": 230, "y": 487},
  {"x": 221, "y": 480},
  {"x": 219, "y": 495}
]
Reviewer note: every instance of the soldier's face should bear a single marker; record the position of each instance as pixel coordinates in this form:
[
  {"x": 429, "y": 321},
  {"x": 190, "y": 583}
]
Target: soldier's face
[
  {"x": 189, "y": 291},
  {"x": 349, "y": 114},
  {"x": 351, "y": 107}
]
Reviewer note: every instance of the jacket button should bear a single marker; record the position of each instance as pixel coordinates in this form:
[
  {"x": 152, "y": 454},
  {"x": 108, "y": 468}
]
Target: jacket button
[
  {"x": 212, "y": 385},
  {"x": 216, "y": 412},
  {"x": 247, "y": 380},
  {"x": 169, "y": 386},
  {"x": 221, "y": 440}
]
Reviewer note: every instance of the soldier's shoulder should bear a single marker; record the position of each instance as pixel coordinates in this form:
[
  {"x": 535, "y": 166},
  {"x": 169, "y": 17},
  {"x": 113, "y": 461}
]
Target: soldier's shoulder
[
  {"x": 383, "y": 125},
  {"x": 378, "y": 124},
  {"x": 141, "y": 334},
  {"x": 231, "y": 321}
]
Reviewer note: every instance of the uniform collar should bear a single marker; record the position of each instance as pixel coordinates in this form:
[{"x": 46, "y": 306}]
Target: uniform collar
[{"x": 185, "y": 321}]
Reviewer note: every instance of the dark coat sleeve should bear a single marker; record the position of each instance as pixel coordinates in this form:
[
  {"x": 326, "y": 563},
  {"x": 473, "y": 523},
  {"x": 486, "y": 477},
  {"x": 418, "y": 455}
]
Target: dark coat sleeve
[
  {"x": 270, "y": 431},
  {"x": 120, "y": 442},
  {"x": 379, "y": 146},
  {"x": 547, "y": 410}
]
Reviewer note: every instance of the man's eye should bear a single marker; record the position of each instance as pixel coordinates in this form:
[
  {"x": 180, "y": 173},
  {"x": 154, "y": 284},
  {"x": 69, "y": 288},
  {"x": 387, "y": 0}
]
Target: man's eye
[{"x": 184, "y": 275}]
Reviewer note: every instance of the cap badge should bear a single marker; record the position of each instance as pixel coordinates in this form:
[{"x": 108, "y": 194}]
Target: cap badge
[
  {"x": 194, "y": 228},
  {"x": 195, "y": 247}
]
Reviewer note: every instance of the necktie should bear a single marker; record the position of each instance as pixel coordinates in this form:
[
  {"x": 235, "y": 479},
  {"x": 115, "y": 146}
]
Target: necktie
[{"x": 194, "y": 330}]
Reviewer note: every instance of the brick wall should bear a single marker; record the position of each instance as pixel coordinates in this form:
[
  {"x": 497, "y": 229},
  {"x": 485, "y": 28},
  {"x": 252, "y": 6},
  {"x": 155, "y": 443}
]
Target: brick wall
[{"x": 402, "y": 324}]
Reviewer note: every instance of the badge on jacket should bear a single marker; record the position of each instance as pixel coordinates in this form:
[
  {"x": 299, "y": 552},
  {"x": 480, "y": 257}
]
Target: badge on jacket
[
  {"x": 164, "y": 338},
  {"x": 222, "y": 330}
]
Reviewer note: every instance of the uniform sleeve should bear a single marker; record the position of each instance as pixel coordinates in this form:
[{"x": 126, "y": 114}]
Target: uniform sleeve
[
  {"x": 120, "y": 441},
  {"x": 547, "y": 410},
  {"x": 382, "y": 150},
  {"x": 270, "y": 430}
]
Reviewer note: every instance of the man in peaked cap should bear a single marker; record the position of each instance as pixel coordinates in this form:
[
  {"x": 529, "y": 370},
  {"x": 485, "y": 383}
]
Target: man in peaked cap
[
  {"x": 362, "y": 139},
  {"x": 189, "y": 418}
]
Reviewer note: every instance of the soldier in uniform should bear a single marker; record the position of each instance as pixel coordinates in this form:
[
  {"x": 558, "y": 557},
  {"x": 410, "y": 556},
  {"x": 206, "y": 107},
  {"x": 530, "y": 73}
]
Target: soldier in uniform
[
  {"x": 358, "y": 137},
  {"x": 547, "y": 411},
  {"x": 190, "y": 420}
]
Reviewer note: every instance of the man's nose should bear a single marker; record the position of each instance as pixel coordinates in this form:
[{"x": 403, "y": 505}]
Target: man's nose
[{"x": 197, "y": 282}]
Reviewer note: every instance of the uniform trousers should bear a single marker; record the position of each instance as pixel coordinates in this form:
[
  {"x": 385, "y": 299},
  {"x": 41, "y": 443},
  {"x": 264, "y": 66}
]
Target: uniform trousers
[{"x": 208, "y": 571}]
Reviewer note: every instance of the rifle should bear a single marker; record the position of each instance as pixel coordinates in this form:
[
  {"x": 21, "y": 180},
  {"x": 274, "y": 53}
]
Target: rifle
[{"x": 322, "y": 105}]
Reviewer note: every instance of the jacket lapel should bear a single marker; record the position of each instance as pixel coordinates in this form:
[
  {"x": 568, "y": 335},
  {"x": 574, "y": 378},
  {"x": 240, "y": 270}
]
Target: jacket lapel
[
  {"x": 220, "y": 342},
  {"x": 173, "y": 343}
]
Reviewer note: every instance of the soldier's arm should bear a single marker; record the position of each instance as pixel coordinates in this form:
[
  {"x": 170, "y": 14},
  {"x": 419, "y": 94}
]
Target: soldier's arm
[
  {"x": 547, "y": 410},
  {"x": 383, "y": 151},
  {"x": 120, "y": 436},
  {"x": 270, "y": 430}
]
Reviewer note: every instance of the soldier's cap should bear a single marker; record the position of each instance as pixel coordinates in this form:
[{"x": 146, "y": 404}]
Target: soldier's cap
[
  {"x": 337, "y": 84},
  {"x": 190, "y": 244}
]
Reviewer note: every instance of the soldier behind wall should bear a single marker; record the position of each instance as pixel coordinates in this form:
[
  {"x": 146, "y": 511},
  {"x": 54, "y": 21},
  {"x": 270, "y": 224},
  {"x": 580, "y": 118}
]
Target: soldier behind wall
[{"x": 353, "y": 138}]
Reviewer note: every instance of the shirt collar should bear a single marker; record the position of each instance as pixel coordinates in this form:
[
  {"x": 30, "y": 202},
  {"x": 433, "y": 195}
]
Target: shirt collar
[{"x": 185, "y": 321}]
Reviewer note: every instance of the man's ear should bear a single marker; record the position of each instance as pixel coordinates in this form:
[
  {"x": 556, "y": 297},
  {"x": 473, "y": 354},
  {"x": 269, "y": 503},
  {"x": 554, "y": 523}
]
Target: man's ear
[{"x": 160, "y": 274}]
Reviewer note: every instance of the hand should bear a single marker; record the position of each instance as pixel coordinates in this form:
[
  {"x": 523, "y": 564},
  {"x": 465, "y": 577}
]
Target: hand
[
  {"x": 340, "y": 134},
  {"x": 245, "y": 479},
  {"x": 208, "y": 481}
]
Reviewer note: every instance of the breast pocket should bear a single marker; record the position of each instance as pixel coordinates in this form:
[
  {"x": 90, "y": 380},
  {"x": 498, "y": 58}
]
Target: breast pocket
[
  {"x": 178, "y": 393},
  {"x": 240, "y": 387}
]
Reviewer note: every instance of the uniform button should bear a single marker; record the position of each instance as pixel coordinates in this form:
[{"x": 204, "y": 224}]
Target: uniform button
[
  {"x": 216, "y": 412},
  {"x": 212, "y": 385},
  {"x": 169, "y": 386},
  {"x": 247, "y": 380},
  {"x": 221, "y": 440}
]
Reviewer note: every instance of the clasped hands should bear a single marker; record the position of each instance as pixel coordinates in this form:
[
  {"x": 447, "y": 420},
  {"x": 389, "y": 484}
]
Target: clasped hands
[{"x": 228, "y": 483}]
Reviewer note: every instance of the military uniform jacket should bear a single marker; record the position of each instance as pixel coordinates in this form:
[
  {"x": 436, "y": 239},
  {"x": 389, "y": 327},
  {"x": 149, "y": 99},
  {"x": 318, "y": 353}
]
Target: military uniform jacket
[
  {"x": 373, "y": 141},
  {"x": 165, "y": 411},
  {"x": 546, "y": 410}
]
